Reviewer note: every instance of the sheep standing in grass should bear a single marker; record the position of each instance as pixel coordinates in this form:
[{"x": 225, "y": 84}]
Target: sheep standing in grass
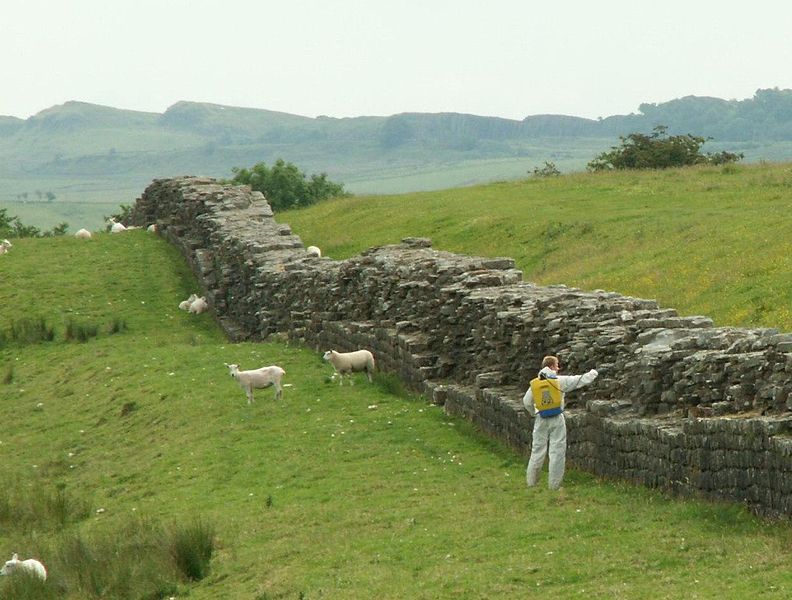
[
  {"x": 314, "y": 251},
  {"x": 257, "y": 379},
  {"x": 31, "y": 564},
  {"x": 185, "y": 304},
  {"x": 198, "y": 306},
  {"x": 83, "y": 234},
  {"x": 350, "y": 362},
  {"x": 5, "y": 246}
]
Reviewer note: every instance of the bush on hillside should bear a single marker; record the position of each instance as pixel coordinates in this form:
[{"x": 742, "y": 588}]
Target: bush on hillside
[
  {"x": 549, "y": 170},
  {"x": 285, "y": 186},
  {"x": 13, "y": 227},
  {"x": 658, "y": 150}
]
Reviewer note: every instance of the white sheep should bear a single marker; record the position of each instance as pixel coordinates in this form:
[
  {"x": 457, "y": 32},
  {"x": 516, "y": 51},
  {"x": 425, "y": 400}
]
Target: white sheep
[
  {"x": 185, "y": 304},
  {"x": 350, "y": 362},
  {"x": 198, "y": 306},
  {"x": 152, "y": 228},
  {"x": 30, "y": 564},
  {"x": 4, "y": 246},
  {"x": 313, "y": 251},
  {"x": 257, "y": 379},
  {"x": 115, "y": 226},
  {"x": 83, "y": 234}
]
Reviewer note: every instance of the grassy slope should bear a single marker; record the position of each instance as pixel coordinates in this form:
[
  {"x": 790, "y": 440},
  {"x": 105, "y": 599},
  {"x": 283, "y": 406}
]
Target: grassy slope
[
  {"x": 334, "y": 492},
  {"x": 712, "y": 241}
]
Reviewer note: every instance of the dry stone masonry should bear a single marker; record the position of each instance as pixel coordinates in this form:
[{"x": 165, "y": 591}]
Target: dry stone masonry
[{"x": 680, "y": 405}]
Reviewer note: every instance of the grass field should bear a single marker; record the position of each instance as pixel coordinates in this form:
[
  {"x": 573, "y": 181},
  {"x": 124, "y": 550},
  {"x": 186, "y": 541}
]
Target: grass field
[
  {"x": 715, "y": 241},
  {"x": 334, "y": 492}
]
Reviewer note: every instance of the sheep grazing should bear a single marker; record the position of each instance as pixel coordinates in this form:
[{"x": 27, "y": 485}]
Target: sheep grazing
[
  {"x": 31, "y": 565},
  {"x": 198, "y": 306},
  {"x": 313, "y": 251},
  {"x": 185, "y": 304},
  {"x": 115, "y": 226},
  {"x": 350, "y": 362},
  {"x": 83, "y": 234},
  {"x": 257, "y": 379}
]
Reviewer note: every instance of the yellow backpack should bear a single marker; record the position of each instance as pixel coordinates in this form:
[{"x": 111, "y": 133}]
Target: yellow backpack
[{"x": 546, "y": 396}]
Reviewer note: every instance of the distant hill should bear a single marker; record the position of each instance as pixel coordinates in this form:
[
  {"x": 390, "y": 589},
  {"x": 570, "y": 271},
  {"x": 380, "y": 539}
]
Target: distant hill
[{"x": 93, "y": 158}]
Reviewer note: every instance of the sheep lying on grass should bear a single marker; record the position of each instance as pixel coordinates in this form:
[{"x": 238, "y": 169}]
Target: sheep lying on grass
[
  {"x": 350, "y": 362},
  {"x": 185, "y": 304},
  {"x": 314, "y": 251},
  {"x": 31, "y": 564},
  {"x": 198, "y": 306},
  {"x": 115, "y": 226},
  {"x": 257, "y": 379},
  {"x": 83, "y": 234}
]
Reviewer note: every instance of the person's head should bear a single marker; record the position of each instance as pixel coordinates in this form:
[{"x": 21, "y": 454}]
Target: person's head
[{"x": 552, "y": 362}]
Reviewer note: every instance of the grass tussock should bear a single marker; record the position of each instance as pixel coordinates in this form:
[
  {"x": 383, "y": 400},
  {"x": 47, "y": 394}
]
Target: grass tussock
[
  {"x": 27, "y": 330},
  {"x": 139, "y": 560},
  {"x": 390, "y": 384},
  {"x": 117, "y": 325},
  {"x": 80, "y": 332},
  {"x": 191, "y": 547},
  {"x": 36, "y": 330},
  {"x": 27, "y": 505}
]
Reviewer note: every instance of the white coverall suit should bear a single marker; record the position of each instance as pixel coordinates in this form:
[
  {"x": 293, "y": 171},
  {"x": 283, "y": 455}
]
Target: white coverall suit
[{"x": 551, "y": 430}]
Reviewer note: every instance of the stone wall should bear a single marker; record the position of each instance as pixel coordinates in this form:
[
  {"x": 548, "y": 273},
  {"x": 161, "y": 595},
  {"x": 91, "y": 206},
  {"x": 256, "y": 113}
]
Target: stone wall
[{"x": 679, "y": 404}]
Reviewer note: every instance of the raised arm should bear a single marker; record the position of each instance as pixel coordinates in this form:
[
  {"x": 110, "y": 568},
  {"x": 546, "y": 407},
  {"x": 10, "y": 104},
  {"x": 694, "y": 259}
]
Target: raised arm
[{"x": 573, "y": 382}]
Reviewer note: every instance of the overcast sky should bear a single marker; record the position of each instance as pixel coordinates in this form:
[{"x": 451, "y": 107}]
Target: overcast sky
[{"x": 507, "y": 58}]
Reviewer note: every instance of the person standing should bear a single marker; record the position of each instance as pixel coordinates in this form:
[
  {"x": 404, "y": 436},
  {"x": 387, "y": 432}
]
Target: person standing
[{"x": 544, "y": 400}]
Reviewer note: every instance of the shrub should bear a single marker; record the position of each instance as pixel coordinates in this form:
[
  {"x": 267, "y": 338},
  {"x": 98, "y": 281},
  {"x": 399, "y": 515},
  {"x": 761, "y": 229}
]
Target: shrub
[
  {"x": 658, "y": 150},
  {"x": 549, "y": 170},
  {"x": 285, "y": 186},
  {"x": 12, "y": 227}
]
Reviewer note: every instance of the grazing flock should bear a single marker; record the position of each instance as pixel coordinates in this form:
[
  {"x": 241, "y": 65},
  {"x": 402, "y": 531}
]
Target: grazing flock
[{"x": 344, "y": 363}]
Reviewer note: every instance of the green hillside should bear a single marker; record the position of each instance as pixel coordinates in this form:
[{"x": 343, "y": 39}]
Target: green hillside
[
  {"x": 334, "y": 492},
  {"x": 713, "y": 241},
  {"x": 94, "y": 157}
]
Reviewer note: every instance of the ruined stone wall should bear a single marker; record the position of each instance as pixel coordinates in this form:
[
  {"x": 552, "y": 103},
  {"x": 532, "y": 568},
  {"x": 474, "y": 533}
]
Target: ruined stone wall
[{"x": 679, "y": 404}]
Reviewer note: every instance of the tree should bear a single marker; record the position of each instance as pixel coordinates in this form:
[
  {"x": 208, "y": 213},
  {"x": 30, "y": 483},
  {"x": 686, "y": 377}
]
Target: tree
[
  {"x": 285, "y": 186},
  {"x": 658, "y": 150}
]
